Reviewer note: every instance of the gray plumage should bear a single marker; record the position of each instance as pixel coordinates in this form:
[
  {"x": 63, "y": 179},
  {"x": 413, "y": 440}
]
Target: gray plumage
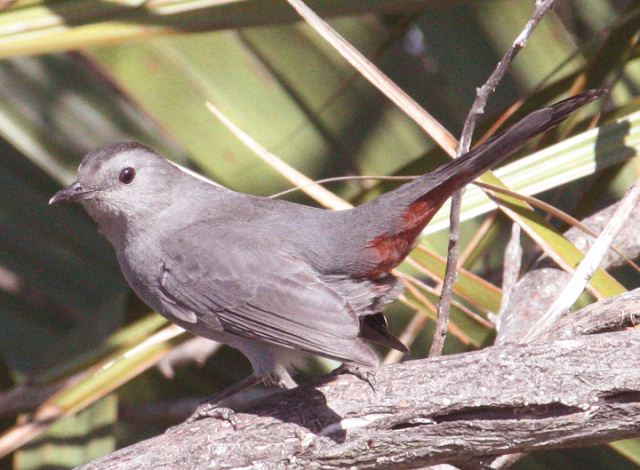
[{"x": 269, "y": 277}]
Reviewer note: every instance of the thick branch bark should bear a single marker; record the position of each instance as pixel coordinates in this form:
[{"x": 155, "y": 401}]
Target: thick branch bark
[
  {"x": 511, "y": 398},
  {"x": 537, "y": 289}
]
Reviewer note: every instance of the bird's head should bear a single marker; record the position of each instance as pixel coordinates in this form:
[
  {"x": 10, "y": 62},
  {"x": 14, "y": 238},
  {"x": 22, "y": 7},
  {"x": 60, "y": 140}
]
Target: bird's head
[{"x": 121, "y": 182}]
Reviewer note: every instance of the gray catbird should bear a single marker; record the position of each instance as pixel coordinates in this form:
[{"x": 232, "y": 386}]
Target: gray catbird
[{"x": 269, "y": 277}]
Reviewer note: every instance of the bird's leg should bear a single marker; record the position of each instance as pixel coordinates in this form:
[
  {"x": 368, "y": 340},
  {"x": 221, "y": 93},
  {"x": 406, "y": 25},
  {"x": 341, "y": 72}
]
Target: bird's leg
[
  {"x": 363, "y": 373},
  {"x": 281, "y": 378},
  {"x": 208, "y": 408}
]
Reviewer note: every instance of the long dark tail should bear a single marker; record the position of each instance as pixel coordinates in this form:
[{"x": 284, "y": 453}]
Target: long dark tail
[
  {"x": 464, "y": 169},
  {"x": 411, "y": 206}
]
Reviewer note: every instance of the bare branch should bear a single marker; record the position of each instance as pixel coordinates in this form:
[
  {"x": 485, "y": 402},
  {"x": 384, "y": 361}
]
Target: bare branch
[
  {"x": 501, "y": 400},
  {"x": 450, "y": 276},
  {"x": 477, "y": 109}
]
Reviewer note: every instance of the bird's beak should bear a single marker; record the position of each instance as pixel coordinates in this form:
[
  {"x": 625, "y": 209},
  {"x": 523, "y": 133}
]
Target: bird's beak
[{"x": 72, "y": 193}]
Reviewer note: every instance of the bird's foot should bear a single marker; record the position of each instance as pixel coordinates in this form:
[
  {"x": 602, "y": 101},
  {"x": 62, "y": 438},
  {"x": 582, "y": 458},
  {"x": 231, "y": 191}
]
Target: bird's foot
[
  {"x": 207, "y": 409},
  {"x": 364, "y": 374}
]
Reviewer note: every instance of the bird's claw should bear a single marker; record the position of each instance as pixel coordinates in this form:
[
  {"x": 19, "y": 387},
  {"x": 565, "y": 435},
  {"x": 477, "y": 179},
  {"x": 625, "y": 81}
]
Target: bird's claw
[
  {"x": 364, "y": 374},
  {"x": 211, "y": 410}
]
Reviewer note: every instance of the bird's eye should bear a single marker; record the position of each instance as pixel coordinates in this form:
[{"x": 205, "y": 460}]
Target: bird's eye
[{"x": 127, "y": 175}]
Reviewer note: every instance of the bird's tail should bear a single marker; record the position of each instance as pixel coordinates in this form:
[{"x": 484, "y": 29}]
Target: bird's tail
[
  {"x": 468, "y": 167},
  {"x": 411, "y": 206}
]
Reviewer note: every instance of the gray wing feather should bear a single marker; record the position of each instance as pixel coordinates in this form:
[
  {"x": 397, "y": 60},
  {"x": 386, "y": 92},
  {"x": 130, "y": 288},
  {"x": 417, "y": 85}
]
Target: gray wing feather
[{"x": 261, "y": 294}]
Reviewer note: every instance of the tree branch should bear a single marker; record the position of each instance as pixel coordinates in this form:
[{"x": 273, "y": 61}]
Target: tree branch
[
  {"x": 501, "y": 400},
  {"x": 536, "y": 290}
]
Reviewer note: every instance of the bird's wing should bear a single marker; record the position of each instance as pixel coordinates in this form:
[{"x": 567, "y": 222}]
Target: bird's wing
[{"x": 260, "y": 293}]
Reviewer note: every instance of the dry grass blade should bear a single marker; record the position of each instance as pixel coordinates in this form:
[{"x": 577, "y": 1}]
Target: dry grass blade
[
  {"x": 478, "y": 236},
  {"x": 372, "y": 73},
  {"x": 306, "y": 184},
  {"x": 411, "y": 281},
  {"x": 557, "y": 213},
  {"x": 74, "y": 397},
  {"x": 589, "y": 264}
]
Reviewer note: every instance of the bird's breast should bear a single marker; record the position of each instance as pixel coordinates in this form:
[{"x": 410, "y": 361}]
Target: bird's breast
[{"x": 141, "y": 264}]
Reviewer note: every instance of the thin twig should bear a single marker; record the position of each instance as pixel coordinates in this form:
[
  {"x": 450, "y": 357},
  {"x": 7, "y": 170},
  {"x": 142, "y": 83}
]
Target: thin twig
[
  {"x": 477, "y": 109},
  {"x": 541, "y": 8},
  {"x": 450, "y": 276},
  {"x": 436, "y": 291}
]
